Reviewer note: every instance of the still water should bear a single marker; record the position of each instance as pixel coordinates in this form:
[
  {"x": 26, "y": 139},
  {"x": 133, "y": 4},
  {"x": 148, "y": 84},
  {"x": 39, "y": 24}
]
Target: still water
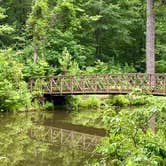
[{"x": 57, "y": 138}]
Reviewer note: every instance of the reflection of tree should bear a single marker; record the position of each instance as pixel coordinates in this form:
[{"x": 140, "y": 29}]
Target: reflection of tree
[
  {"x": 16, "y": 146},
  {"x": 18, "y": 149},
  {"x": 68, "y": 155},
  {"x": 62, "y": 155},
  {"x": 71, "y": 156},
  {"x": 87, "y": 117}
]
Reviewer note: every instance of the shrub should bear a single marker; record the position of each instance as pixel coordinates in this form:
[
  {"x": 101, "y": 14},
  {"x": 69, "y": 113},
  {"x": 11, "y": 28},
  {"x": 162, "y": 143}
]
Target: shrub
[
  {"x": 130, "y": 141},
  {"x": 14, "y": 93},
  {"x": 73, "y": 102},
  {"x": 48, "y": 106},
  {"x": 137, "y": 97},
  {"x": 84, "y": 102},
  {"x": 120, "y": 100}
]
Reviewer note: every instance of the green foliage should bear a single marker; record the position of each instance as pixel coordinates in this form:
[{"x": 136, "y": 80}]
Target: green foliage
[
  {"x": 137, "y": 97},
  {"x": 73, "y": 102},
  {"x": 67, "y": 65},
  {"x": 76, "y": 102},
  {"x": 89, "y": 31},
  {"x": 160, "y": 104},
  {"x": 87, "y": 117},
  {"x": 17, "y": 147},
  {"x": 84, "y": 36},
  {"x": 58, "y": 41},
  {"x": 110, "y": 67},
  {"x": 120, "y": 100},
  {"x": 161, "y": 119},
  {"x": 5, "y": 29},
  {"x": 48, "y": 106},
  {"x": 37, "y": 24},
  {"x": 98, "y": 35},
  {"x": 91, "y": 102},
  {"x": 130, "y": 141},
  {"x": 37, "y": 20},
  {"x": 42, "y": 68},
  {"x": 13, "y": 91},
  {"x": 160, "y": 40},
  {"x": 161, "y": 66}
]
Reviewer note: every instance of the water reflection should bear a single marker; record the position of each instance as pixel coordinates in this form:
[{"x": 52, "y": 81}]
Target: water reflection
[
  {"x": 59, "y": 136},
  {"x": 25, "y": 143}
]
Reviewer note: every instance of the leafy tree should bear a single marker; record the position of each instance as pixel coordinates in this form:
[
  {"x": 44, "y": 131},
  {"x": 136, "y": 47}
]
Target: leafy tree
[
  {"x": 37, "y": 25},
  {"x": 5, "y": 29},
  {"x": 67, "y": 65},
  {"x": 160, "y": 40}
]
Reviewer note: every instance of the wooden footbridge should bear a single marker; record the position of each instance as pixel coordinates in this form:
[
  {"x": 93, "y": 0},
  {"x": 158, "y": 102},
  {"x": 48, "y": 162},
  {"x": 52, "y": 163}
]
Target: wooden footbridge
[
  {"x": 100, "y": 84},
  {"x": 58, "y": 136}
]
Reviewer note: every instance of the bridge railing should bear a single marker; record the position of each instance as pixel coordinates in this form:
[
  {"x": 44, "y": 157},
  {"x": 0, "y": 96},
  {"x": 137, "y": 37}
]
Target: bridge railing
[{"x": 100, "y": 83}]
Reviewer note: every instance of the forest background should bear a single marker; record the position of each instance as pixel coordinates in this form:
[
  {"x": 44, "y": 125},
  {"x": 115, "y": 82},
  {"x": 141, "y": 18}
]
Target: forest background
[{"x": 51, "y": 37}]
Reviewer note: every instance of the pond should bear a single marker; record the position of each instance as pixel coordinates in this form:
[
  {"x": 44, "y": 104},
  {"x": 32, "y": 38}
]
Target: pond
[{"x": 49, "y": 138}]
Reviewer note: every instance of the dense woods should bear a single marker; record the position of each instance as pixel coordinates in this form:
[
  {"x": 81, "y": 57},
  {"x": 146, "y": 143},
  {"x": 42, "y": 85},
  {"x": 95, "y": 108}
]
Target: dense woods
[{"x": 91, "y": 32}]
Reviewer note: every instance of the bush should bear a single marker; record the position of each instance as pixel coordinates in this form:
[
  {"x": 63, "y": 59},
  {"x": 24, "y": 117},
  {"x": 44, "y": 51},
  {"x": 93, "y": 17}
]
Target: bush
[
  {"x": 73, "y": 101},
  {"x": 137, "y": 97},
  {"x": 47, "y": 106},
  {"x": 91, "y": 102},
  {"x": 120, "y": 100},
  {"x": 14, "y": 92},
  {"x": 130, "y": 141},
  {"x": 110, "y": 67},
  {"x": 84, "y": 102}
]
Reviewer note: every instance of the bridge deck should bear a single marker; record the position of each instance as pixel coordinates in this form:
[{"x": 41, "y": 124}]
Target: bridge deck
[{"x": 100, "y": 84}]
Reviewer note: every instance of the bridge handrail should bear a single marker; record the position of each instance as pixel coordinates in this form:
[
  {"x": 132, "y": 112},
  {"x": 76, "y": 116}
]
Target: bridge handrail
[
  {"x": 100, "y": 74},
  {"x": 100, "y": 83}
]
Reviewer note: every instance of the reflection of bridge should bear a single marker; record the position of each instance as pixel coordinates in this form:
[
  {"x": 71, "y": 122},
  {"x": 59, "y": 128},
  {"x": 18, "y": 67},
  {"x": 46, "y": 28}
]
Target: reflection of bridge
[
  {"x": 100, "y": 84},
  {"x": 60, "y": 136}
]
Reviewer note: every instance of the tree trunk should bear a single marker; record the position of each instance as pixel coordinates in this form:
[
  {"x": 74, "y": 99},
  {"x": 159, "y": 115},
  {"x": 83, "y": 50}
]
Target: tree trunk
[
  {"x": 150, "y": 49},
  {"x": 150, "y": 38}
]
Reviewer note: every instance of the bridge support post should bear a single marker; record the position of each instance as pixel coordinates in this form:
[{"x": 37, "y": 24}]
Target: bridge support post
[
  {"x": 82, "y": 83},
  {"x": 71, "y": 84},
  {"x": 50, "y": 84},
  {"x": 61, "y": 84},
  {"x": 152, "y": 82}
]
